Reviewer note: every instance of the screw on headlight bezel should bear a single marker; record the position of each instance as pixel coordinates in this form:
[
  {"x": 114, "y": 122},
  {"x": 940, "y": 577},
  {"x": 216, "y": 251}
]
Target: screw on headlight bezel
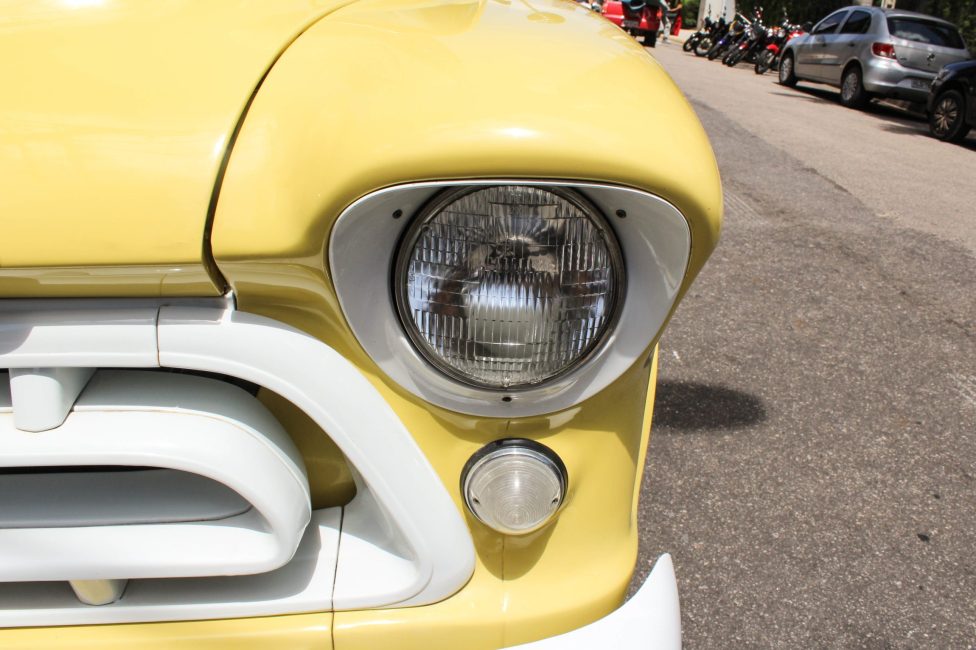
[{"x": 410, "y": 236}]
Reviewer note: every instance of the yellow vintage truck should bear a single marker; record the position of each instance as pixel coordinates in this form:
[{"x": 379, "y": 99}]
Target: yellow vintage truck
[{"x": 333, "y": 323}]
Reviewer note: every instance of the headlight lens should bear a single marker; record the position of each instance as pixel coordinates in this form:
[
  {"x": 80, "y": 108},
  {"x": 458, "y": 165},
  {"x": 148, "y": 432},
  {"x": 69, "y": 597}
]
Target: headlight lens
[{"x": 508, "y": 286}]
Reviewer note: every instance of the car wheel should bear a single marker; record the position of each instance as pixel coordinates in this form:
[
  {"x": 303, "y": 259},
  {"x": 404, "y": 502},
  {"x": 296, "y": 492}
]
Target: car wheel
[
  {"x": 852, "y": 93},
  {"x": 948, "y": 119},
  {"x": 650, "y": 39},
  {"x": 786, "y": 74}
]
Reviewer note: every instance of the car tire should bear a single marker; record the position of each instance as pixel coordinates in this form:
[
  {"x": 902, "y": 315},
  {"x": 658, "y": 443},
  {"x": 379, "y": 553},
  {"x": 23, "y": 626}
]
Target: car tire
[
  {"x": 852, "y": 93},
  {"x": 947, "y": 122},
  {"x": 650, "y": 39},
  {"x": 703, "y": 46},
  {"x": 787, "y": 76}
]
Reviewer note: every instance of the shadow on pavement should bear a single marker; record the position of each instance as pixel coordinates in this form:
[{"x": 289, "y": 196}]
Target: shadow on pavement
[
  {"x": 689, "y": 406},
  {"x": 906, "y": 128},
  {"x": 886, "y": 108},
  {"x": 923, "y": 130},
  {"x": 812, "y": 94}
]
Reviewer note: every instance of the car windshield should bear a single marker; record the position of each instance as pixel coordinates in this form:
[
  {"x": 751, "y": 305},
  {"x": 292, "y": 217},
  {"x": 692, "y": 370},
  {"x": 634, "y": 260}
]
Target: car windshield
[{"x": 925, "y": 31}]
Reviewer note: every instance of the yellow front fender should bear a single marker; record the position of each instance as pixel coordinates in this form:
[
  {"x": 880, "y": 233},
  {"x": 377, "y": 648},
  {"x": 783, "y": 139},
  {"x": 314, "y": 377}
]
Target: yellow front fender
[{"x": 384, "y": 92}]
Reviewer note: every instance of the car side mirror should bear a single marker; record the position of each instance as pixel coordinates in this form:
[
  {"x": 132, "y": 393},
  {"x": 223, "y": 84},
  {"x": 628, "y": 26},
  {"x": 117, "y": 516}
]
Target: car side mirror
[{"x": 807, "y": 26}]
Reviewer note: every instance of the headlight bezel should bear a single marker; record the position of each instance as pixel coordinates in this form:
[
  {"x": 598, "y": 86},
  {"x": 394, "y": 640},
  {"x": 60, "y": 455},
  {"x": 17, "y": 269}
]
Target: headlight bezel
[
  {"x": 435, "y": 206},
  {"x": 655, "y": 239}
]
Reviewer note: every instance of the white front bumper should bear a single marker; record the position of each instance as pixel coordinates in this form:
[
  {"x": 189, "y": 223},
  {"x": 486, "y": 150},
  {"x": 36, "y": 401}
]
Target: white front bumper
[{"x": 649, "y": 620}]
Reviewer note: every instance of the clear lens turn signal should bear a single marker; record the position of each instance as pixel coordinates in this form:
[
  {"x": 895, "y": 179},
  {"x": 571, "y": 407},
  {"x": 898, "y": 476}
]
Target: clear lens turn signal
[{"x": 514, "y": 486}]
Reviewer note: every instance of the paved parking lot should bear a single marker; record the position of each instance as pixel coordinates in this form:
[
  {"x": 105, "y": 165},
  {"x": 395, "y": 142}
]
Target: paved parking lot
[{"x": 813, "y": 463}]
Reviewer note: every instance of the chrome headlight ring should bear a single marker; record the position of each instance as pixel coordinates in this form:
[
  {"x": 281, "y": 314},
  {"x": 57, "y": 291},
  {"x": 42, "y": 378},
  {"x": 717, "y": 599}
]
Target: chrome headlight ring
[{"x": 655, "y": 240}]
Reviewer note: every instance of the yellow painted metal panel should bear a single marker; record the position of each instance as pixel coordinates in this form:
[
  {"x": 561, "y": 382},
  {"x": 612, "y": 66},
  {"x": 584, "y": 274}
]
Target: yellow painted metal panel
[
  {"x": 386, "y": 91},
  {"x": 449, "y": 90},
  {"x": 106, "y": 281},
  {"x": 300, "y": 632},
  {"x": 114, "y": 122},
  {"x": 557, "y": 579},
  {"x": 560, "y": 578}
]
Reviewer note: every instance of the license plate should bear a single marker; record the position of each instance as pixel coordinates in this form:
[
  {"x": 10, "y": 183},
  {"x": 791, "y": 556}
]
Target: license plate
[
  {"x": 920, "y": 84},
  {"x": 631, "y": 23}
]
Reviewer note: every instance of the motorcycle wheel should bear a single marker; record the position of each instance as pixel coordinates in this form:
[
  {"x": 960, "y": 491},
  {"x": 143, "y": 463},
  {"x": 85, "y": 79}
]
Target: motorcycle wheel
[
  {"x": 690, "y": 43},
  {"x": 732, "y": 58},
  {"x": 703, "y": 46},
  {"x": 763, "y": 62},
  {"x": 714, "y": 52}
]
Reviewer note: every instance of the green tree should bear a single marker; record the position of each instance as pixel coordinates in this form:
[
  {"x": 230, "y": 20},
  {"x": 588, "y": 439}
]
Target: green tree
[
  {"x": 960, "y": 12},
  {"x": 689, "y": 13}
]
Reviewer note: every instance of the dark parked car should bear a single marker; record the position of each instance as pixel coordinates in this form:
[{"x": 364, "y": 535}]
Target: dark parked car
[
  {"x": 952, "y": 101},
  {"x": 872, "y": 52}
]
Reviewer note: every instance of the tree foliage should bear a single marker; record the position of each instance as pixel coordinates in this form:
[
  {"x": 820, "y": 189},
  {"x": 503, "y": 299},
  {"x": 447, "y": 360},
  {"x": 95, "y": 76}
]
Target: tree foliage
[{"x": 960, "y": 12}]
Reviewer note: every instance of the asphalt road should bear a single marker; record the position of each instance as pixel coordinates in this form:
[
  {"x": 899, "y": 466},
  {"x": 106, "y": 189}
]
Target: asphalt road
[{"x": 812, "y": 467}]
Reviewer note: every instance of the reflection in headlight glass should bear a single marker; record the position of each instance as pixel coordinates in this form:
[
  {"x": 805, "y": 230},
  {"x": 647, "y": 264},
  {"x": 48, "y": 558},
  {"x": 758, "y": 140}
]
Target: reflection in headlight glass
[{"x": 508, "y": 286}]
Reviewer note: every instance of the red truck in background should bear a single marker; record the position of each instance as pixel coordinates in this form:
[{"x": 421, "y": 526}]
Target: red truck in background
[{"x": 636, "y": 17}]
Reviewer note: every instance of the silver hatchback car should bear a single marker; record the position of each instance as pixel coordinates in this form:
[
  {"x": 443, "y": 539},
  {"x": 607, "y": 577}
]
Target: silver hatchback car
[{"x": 869, "y": 51}]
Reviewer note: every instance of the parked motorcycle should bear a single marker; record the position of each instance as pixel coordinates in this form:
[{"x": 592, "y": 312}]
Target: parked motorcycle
[
  {"x": 737, "y": 32},
  {"x": 718, "y": 29},
  {"x": 750, "y": 47},
  {"x": 768, "y": 59},
  {"x": 705, "y": 30}
]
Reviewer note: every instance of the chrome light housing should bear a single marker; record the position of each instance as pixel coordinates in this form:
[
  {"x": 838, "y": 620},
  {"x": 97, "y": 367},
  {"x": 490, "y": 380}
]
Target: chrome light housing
[
  {"x": 373, "y": 237},
  {"x": 508, "y": 286}
]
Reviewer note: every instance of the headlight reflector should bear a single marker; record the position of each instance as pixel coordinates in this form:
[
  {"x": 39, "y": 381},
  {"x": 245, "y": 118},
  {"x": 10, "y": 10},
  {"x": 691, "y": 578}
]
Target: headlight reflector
[
  {"x": 514, "y": 486},
  {"x": 508, "y": 286}
]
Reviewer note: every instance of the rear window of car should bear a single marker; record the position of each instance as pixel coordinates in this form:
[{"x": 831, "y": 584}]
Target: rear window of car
[{"x": 925, "y": 31}]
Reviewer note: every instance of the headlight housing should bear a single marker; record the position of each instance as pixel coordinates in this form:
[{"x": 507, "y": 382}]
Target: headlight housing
[
  {"x": 371, "y": 235},
  {"x": 509, "y": 286}
]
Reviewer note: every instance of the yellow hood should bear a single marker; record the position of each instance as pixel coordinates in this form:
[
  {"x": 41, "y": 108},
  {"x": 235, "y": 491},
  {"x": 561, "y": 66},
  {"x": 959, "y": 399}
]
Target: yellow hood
[{"x": 114, "y": 123}]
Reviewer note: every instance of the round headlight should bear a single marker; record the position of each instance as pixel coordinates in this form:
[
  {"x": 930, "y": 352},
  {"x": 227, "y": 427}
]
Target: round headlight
[
  {"x": 514, "y": 486},
  {"x": 508, "y": 286}
]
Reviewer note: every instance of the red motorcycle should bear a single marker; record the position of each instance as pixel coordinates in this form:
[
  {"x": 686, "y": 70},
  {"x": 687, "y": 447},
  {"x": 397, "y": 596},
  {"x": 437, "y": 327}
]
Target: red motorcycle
[
  {"x": 769, "y": 58},
  {"x": 636, "y": 17}
]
